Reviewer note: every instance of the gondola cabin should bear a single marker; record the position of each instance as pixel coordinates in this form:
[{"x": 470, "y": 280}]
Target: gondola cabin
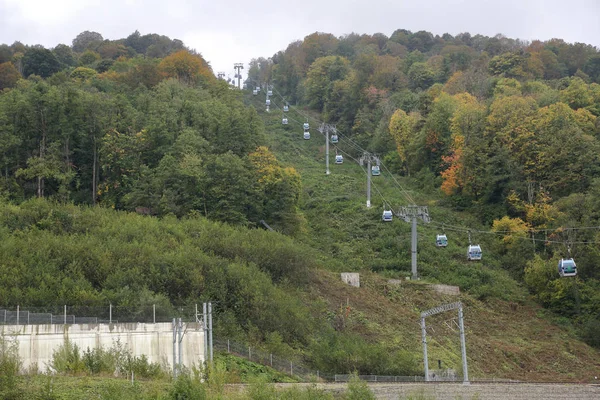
[
  {"x": 255, "y": 92},
  {"x": 268, "y": 102},
  {"x": 334, "y": 139},
  {"x": 567, "y": 267},
  {"x": 306, "y": 135},
  {"x": 339, "y": 159},
  {"x": 441, "y": 241},
  {"x": 306, "y": 126},
  {"x": 284, "y": 121},
  {"x": 286, "y": 108},
  {"x": 386, "y": 216},
  {"x": 257, "y": 89},
  {"x": 375, "y": 170},
  {"x": 269, "y": 93},
  {"x": 474, "y": 252}
]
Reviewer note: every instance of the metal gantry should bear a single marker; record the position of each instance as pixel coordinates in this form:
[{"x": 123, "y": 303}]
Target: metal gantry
[{"x": 461, "y": 327}]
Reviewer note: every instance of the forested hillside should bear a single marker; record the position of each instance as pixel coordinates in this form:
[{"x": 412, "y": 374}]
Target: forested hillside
[
  {"x": 496, "y": 136},
  {"x": 505, "y": 129}
]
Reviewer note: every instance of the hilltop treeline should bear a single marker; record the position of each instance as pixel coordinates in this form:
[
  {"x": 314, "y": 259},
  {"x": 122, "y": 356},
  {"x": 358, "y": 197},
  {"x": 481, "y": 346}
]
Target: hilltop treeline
[
  {"x": 506, "y": 129},
  {"x": 156, "y": 135}
]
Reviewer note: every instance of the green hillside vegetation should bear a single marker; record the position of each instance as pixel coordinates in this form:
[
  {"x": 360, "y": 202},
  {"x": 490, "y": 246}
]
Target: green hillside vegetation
[{"x": 134, "y": 177}]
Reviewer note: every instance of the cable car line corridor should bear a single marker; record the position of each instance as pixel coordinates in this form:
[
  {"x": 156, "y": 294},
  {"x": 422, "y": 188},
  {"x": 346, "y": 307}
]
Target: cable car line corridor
[{"x": 453, "y": 247}]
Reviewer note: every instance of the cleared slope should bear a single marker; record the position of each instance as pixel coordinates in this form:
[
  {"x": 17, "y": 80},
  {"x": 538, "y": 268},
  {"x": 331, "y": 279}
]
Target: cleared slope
[{"x": 508, "y": 334}]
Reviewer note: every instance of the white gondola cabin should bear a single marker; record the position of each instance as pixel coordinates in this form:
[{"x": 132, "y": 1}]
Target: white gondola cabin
[
  {"x": 339, "y": 159},
  {"x": 257, "y": 89},
  {"x": 441, "y": 240},
  {"x": 375, "y": 170},
  {"x": 334, "y": 139},
  {"x": 284, "y": 121},
  {"x": 306, "y": 126},
  {"x": 255, "y": 92},
  {"x": 387, "y": 216},
  {"x": 269, "y": 93},
  {"x": 474, "y": 252},
  {"x": 306, "y": 135},
  {"x": 567, "y": 267},
  {"x": 286, "y": 108},
  {"x": 268, "y": 102}
]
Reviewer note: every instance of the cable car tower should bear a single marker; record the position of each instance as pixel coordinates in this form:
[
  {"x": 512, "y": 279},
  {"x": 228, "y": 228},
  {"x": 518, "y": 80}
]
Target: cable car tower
[
  {"x": 410, "y": 214},
  {"x": 325, "y": 129},
  {"x": 369, "y": 159},
  {"x": 238, "y": 75}
]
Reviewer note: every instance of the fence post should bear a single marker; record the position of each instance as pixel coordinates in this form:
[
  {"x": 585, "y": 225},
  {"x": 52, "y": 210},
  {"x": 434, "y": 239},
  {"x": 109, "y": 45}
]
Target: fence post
[
  {"x": 228, "y": 346},
  {"x": 291, "y": 368},
  {"x": 65, "y": 314},
  {"x": 50, "y": 318},
  {"x": 271, "y": 359},
  {"x": 154, "y": 312},
  {"x": 17, "y": 315},
  {"x": 27, "y": 317},
  {"x": 249, "y": 353},
  {"x": 110, "y": 313},
  {"x": 4, "y": 317}
]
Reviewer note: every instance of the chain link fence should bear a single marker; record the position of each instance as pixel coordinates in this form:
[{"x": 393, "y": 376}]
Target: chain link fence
[
  {"x": 290, "y": 367},
  {"x": 97, "y": 315}
]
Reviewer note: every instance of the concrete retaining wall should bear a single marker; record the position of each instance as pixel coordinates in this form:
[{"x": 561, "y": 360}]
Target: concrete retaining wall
[{"x": 37, "y": 343}]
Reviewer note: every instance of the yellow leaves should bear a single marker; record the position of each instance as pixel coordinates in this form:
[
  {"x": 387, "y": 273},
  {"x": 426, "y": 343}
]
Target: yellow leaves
[
  {"x": 513, "y": 228},
  {"x": 402, "y": 128},
  {"x": 266, "y": 165},
  {"x": 185, "y": 67}
]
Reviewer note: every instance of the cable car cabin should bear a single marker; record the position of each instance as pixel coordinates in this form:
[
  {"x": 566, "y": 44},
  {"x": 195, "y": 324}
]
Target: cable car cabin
[
  {"x": 441, "y": 241},
  {"x": 257, "y": 89},
  {"x": 268, "y": 102},
  {"x": 306, "y": 135},
  {"x": 375, "y": 170},
  {"x": 386, "y": 216},
  {"x": 339, "y": 159},
  {"x": 284, "y": 121},
  {"x": 255, "y": 92},
  {"x": 567, "y": 267},
  {"x": 334, "y": 139},
  {"x": 269, "y": 93},
  {"x": 306, "y": 126},
  {"x": 474, "y": 253},
  {"x": 286, "y": 108}
]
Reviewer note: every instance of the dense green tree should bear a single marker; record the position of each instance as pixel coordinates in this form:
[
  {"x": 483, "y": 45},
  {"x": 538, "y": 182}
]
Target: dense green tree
[
  {"x": 40, "y": 61},
  {"x": 9, "y": 75},
  {"x": 85, "y": 39}
]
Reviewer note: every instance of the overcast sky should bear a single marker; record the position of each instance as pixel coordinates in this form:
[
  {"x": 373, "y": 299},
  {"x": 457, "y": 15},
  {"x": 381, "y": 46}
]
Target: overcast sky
[{"x": 226, "y": 32}]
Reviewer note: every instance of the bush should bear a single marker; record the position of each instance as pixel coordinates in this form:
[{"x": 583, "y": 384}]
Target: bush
[
  {"x": 9, "y": 369},
  {"x": 67, "y": 359},
  {"x": 188, "y": 386}
]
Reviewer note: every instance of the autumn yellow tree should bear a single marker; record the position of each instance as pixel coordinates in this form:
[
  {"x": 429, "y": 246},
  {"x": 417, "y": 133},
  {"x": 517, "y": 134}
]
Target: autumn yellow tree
[
  {"x": 403, "y": 127},
  {"x": 186, "y": 67}
]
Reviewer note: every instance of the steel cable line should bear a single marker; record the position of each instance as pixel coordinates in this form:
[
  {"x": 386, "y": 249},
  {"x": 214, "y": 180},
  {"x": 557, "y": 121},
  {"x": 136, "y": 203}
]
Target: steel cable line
[{"x": 407, "y": 196}]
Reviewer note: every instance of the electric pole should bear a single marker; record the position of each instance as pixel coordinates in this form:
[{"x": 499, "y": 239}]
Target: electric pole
[
  {"x": 324, "y": 129},
  {"x": 410, "y": 214},
  {"x": 238, "y": 67}
]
